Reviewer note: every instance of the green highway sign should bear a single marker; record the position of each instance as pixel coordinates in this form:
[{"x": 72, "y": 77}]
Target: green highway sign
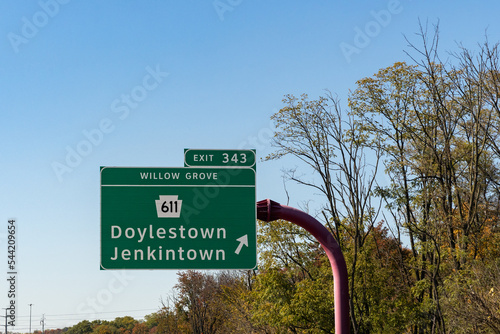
[
  {"x": 219, "y": 158},
  {"x": 178, "y": 218}
]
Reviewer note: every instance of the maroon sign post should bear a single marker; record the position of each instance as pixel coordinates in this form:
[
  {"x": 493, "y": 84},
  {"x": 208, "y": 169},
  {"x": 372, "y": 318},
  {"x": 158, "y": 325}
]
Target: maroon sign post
[{"x": 268, "y": 210}]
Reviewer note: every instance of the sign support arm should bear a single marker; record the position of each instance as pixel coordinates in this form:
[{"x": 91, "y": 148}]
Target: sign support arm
[{"x": 268, "y": 210}]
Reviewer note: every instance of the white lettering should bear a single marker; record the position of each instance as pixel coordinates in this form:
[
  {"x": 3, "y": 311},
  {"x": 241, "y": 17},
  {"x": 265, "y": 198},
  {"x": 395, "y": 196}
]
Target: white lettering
[
  {"x": 191, "y": 254},
  {"x": 156, "y": 254},
  {"x": 140, "y": 252},
  {"x": 159, "y": 176},
  {"x": 129, "y": 233},
  {"x": 205, "y": 255},
  {"x": 193, "y": 235},
  {"x": 141, "y": 235},
  {"x": 201, "y": 176},
  {"x": 113, "y": 235},
  {"x": 207, "y": 233}
]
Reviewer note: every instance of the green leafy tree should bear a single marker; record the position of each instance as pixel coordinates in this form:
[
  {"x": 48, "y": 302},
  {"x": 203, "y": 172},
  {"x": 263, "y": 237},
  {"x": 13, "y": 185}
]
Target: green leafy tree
[
  {"x": 140, "y": 328},
  {"x": 197, "y": 301},
  {"x": 105, "y": 329},
  {"x": 473, "y": 299},
  {"x": 204, "y": 302},
  {"x": 328, "y": 141},
  {"x": 435, "y": 123},
  {"x": 124, "y": 324},
  {"x": 83, "y": 327},
  {"x": 293, "y": 290},
  {"x": 151, "y": 320}
]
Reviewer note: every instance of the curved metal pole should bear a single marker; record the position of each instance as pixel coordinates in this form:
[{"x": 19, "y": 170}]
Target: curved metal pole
[{"x": 268, "y": 210}]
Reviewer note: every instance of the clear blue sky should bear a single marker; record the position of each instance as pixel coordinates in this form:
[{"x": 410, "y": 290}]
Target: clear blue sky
[{"x": 141, "y": 81}]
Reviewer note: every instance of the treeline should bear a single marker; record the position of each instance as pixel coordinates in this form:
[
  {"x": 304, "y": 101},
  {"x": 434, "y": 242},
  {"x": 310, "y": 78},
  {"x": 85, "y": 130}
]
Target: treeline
[{"x": 121, "y": 325}]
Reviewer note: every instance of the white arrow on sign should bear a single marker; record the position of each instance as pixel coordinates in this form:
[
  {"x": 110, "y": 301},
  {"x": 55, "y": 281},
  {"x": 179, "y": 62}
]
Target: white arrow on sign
[{"x": 243, "y": 241}]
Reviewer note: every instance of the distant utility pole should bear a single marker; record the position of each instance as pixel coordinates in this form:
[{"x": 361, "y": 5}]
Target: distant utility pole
[
  {"x": 43, "y": 323},
  {"x": 30, "y": 318},
  {"x": 5, "y": 321}
]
